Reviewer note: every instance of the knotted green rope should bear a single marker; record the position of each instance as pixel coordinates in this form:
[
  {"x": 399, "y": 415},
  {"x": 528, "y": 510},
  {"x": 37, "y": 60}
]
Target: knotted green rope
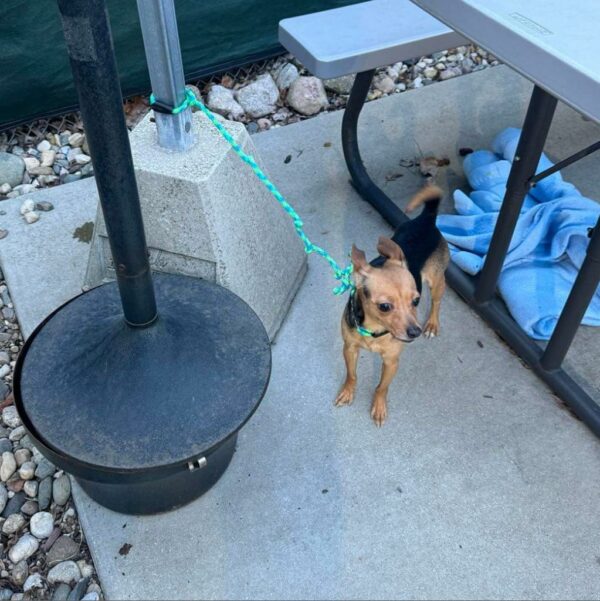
[{"x": 342, "y": 275}]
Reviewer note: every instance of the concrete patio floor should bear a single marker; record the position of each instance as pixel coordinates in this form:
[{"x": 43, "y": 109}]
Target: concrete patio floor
[{"x": 480, "y": 485}]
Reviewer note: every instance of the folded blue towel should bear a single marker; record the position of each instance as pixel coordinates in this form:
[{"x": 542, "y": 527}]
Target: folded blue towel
[{"x": 548, "y": 245}]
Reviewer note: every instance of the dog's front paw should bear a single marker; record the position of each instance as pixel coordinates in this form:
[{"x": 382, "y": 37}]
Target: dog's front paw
[
  {"x": 432, "y": 329},
  {"x": 379, "y": 411},
  {"x": 346, "y": 395}
]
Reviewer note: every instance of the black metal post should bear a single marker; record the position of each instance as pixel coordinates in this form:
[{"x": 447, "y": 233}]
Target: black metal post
[
  {"x": 89, "y": 42},
  {"x": 361, "y": 180},
  {"x": 581, "y": 294},
  {"x": 530, "y": 147}
]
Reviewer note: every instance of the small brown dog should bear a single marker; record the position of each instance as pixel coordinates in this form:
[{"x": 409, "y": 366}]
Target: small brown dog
[{"x": 381, "y": 315}]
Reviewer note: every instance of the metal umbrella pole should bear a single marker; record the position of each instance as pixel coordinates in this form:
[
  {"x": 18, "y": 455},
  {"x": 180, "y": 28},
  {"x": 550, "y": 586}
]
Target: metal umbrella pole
[
  {"x": 163, "y": 55},
  {"x": 145, "y": 418},
  {"x": 101, "y": 104}
]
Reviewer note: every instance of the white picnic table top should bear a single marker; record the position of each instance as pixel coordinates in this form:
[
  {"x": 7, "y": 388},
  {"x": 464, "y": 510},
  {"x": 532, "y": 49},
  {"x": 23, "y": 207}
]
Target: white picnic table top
[
  {"x": 554, "y": 43},
  {"x": 363, "y": 36}
]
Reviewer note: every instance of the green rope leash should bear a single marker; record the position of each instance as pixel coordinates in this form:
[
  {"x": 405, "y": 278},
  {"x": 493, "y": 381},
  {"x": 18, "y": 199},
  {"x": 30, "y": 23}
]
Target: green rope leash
[{"x": 342, "y": 275}]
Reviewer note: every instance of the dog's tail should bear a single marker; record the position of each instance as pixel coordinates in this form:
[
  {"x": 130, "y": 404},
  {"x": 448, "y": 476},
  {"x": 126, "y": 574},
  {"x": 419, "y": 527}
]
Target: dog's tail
[{"x": 431, "y": 196}]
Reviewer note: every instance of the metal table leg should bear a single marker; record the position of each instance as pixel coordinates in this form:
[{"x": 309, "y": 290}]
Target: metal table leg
[
  {"x": 361, "y": 180},
  {"x": 580, "y": 297},
  {"x": 492, "y": 309},
  {"x": 530, "y": 147}
]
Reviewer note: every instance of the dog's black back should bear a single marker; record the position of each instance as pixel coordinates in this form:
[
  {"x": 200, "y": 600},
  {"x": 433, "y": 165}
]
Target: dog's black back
[{"x": 418, "y": 238}]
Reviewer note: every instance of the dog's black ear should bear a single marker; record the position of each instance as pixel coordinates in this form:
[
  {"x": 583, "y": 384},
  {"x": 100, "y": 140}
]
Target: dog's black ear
[
  {"x": 388, "y": 248},
  {"x": 359, "y": 260}
]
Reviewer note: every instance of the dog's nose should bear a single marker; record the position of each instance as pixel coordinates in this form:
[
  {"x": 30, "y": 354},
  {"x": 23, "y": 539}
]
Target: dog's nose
[{"x": 413, "y": 332}]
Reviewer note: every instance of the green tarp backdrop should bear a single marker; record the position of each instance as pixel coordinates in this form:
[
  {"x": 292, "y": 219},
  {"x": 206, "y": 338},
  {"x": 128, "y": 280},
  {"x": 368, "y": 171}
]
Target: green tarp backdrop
[{"x": 35, "y": 77}]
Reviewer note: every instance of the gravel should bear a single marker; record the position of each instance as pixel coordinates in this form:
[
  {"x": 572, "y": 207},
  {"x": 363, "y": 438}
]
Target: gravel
[
  {"x": 13, "y": 523},
  {"x": 24, "y": 548},
  {"x": 260, "y": 97},
  {"x": 44, "y": 468},
  {"x": 307, "y": 95},
  {"x": 14, "y": 504},
  {"x": 8, "y": 467},
  {"x": 33, "y": 581},
  {"x": 340, "y": 85},
  {"x": 39, "y": 525},
  {"x": 61, "y": 489},
  {"x": 12, "y": 168},
  {"x": 10, "y": 417},
  {"x": 220, "y": 100},
  {"x": 66, "y": 571},
  {"x": 271, "y": 98},
  {"x": 286, "y": 76},
  {"x": 45, "y": 493}
]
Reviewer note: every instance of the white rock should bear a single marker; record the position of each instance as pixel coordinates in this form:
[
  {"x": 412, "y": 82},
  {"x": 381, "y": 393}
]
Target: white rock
[
  {"x": 27, "y": 206},
  {"x": 92, "y": 596},
  {"x": 4, "y": 371},
  {"x": 27, "y": 470},
  {"x": 76, "y": 140},
  {"x": 220, "y": 100},
  {"x": 30, "y": 488},
  {"x": 430, "y": 72},
  {"x": 8, "y": 467},
  {"x": 5, "y": 188},
  {"x": 14, "y": 522},
  {"x": 85, "y": 568},
  {"x": 260, "y": 97},
  {"x": 286, "y": 76},
  {"x": 30, "y": 163},
  {"x": 25, "y": 547},
  {"x": 417, "y": 83},
  {"x": 72, "y": 153},
  {"x": 41, "y": 524},
  {"x": 450, "y": 72},
  {"x": 82, "y": 159},
  {"x": 393, "y": 73},
  {"x": 385, "y": 84},
  {"x": 65, "y": 571},
  {"x": 44, "y": 145},
  {"x": 33, "y": 581},
  {"x": 31, "y": 217},
  {"x": 48, "y": 157},
  {"x": 307, "y": 95}
]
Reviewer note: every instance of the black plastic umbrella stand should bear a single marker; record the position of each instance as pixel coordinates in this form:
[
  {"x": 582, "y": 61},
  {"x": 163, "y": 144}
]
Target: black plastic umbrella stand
[{"x": 142, "y": 406}]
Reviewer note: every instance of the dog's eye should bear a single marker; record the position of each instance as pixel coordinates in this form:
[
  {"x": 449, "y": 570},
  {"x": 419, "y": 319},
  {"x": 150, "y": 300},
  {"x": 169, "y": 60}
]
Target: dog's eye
[
  {"x": 385, "y": 307},
  {"x": 416, "y": 301}
]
